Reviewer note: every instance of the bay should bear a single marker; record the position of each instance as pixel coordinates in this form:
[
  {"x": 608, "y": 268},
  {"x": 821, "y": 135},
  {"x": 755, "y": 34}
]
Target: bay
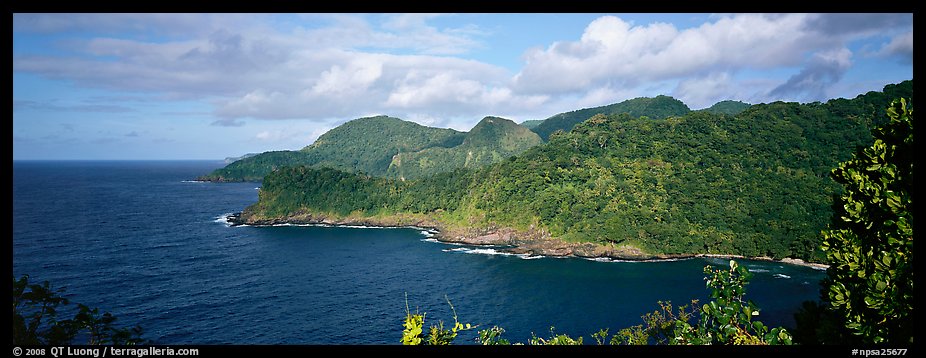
[{"x": 140, "y": 240}]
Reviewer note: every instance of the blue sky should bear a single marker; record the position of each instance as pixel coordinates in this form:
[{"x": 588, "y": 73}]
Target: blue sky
[{"x": 209, "y": 86}]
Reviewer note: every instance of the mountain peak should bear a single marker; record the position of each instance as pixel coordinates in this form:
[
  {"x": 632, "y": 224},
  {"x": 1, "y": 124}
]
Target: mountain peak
[
  {"x": 730, "y": 107},
  {"x": 658, "y": 107},
  {"x": 492, "y": 130}
]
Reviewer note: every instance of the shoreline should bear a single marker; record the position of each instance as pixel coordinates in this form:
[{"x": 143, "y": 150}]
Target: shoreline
[{"x": 532, "y": 244}]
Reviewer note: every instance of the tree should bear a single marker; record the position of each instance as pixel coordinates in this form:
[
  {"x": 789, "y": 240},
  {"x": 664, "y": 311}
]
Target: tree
[
  {"x": 728, "y": 319},
  {"x": 35, "y": 319},
  {"x": 870, "y": 244},
  {"x": 413, "y": 334}
]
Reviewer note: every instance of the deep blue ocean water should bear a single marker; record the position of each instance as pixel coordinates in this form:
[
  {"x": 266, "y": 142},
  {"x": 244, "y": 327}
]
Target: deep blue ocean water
[{"x": 140, "y": 240}]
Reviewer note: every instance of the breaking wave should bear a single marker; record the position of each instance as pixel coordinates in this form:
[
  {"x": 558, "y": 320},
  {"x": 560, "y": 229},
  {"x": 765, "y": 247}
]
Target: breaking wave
[{"x": 490, "y": 251}]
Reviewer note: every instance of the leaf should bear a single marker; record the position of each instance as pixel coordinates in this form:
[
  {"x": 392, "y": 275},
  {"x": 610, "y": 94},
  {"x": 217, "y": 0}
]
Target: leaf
[{"x": 758, "y": 326}]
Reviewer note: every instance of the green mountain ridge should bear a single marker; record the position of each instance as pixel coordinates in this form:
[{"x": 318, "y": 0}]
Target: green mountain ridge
[
  {"x": 658, "y": 107},
  {"x": 727, "y": 107},
  {"x": 531, "y": 123},
  {"x": 492, "y": 140},
  {"x": 391, "y": 147},
  {"x": 753, "y": 184}
]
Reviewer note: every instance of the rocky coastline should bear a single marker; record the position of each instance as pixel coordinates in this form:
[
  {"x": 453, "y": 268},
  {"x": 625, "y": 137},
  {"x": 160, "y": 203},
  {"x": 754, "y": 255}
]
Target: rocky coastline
[{"x": 532, "y": 242}]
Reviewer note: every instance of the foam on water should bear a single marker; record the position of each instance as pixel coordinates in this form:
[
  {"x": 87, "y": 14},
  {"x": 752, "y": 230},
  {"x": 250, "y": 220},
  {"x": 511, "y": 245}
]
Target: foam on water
[
  {"x": 608, "y": 259},
  {"x": 491, "y": 251},
  {"x": 223, "y": 219},
  {"x": 779, "y": 275}
]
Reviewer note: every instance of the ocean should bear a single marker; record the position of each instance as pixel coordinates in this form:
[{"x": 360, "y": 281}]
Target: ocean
[{"x": 142, "y": 240}]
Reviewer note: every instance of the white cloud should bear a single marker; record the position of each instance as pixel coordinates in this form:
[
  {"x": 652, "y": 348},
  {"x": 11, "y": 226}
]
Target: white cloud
[
  {"x": 704, "y": 60},
  {"x": 292, "y": 135},
  {"x": 356, "y": 76},
  {"x": 900, "y": 46},
  {"x": 612, "y": 51},
  {"x": 602, "y": 96},
  {"x": 397, "y": 31},
  {"x": 266, "y": 135},
  {"x": 702, "y": 92},
  {"x": 323, "y": 68}
]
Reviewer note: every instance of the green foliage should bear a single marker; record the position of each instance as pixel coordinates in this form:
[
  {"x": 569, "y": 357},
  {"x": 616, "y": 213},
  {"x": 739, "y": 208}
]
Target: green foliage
[
  {"x": 492, "y": 140},
  {"x": 36, "y": 320},
  {"x": 728, "y": 319},
  {"x": 328, "y": 191},
  {"x": 727, "y": 107},
  {"x": 554, "y": 340},
  {"x": 412, "y": 335},
  {"x": 754, "y": 184},
  {"x": 362, "y": 145},
  {"x": 657, "y": 108},
  {"x": 390, "y": 147},
  {"x": 601, "y": 336},
  {"x": 255, "y": 167},
  {"x": 492, "y": 337},
  {"x": 531, "y": 124},
  {"x": 437, "y": 335},
  {"x": 870, "y": 244},
  {"x": 658, "y": 327}
]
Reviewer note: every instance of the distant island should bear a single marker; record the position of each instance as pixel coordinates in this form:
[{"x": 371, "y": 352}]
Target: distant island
[{"x": 753, "y": 183}]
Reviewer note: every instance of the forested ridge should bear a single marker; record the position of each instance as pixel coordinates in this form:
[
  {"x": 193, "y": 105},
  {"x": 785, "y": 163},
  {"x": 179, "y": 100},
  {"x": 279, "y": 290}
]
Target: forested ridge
[
  {"x": 394, "y": 148},
  {"x": 492, "y": 140},
  {"x": 754, "y": 184},
  {"x": 657, "y": 107},
  {"x": 362, "y": 145},
  {"x": 727, "y": 107},
  {"x": 391, "y": 147}
]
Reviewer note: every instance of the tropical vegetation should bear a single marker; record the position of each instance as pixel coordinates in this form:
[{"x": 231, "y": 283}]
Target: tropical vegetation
[{"x": 753, "y": 184}]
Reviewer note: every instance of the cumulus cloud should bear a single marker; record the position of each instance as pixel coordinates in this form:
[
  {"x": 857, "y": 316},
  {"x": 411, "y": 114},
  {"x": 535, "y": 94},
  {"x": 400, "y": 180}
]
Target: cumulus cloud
[
  {"x": 614, "y": 52},
  {"x": 704, "y": 91},
  {"x": 901, "y": 47},
  {"x": 307, "y": 73},
  {"x": 327, "y": 67},
  {"x": 355, "y": 76},
  {"x": 704, "y": 60}
]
